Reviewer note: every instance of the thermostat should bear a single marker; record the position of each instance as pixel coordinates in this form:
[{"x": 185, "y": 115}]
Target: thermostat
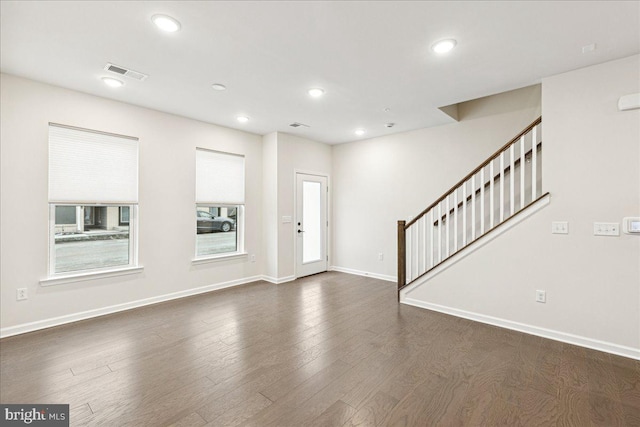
[{"x": 631, "y": 225}]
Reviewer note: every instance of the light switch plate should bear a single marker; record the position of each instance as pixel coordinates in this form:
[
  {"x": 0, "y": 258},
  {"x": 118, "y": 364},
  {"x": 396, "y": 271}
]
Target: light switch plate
[
  {"x": 606, "y": 229},
  {"x": 560, "y": 227}
]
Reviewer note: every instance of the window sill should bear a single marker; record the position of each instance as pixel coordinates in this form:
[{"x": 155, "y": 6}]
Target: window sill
[
  {"x": 78, "y": 277},
  {"x": 216, "y": 258}
]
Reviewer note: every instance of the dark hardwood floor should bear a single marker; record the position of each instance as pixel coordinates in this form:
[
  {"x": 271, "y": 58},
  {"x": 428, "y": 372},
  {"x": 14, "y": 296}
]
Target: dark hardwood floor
[{"x": 328, "y": 350}]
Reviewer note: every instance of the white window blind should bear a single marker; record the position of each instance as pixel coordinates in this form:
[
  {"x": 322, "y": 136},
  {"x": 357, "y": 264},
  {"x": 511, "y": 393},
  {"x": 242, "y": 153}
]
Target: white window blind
[
  {"x": 92, "y": 167},
  {"x": 219, "y": 178}
]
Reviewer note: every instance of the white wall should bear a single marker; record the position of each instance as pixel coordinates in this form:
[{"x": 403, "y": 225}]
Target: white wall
[
  {"x": 301, "y": 155},
  {"x": 270, "y": 204},
  {"x": 166, "y": 205},
  {"x": 592, "y": 170},
  {"x": 382, "y": 180}
]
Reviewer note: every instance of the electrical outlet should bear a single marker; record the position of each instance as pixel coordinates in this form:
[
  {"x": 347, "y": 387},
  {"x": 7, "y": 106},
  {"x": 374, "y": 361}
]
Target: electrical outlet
[
  {"x": 253, "y": 257},
  {"x": 541, "y": 296},
  {"x": 21, "y": 293},
  {"x": 380, "y": 256}
]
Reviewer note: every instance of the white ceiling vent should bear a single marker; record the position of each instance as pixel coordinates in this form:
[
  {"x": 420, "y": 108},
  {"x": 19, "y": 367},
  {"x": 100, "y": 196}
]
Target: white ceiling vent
[
  {"x": 125, "y": 72},
  {"x": 296, "y": 124}
]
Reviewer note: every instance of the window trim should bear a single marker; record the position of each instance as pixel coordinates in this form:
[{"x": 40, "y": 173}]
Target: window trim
[
  {"x": 219, "y": 257},
  {"x": 63, "y": 278},
  {"x": 77, "y": 275},
  {"x": 240, "y": 249}
]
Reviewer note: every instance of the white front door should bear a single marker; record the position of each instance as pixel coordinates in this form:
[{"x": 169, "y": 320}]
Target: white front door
[{"x": 311, "y": 224}]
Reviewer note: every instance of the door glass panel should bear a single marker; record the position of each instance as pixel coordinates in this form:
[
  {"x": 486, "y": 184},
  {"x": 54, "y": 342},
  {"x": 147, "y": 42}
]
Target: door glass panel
[{"x": 311, "y": 239}]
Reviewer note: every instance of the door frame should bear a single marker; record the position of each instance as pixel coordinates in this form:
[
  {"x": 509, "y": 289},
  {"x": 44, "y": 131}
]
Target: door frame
[{"x": 294, "y": 232}]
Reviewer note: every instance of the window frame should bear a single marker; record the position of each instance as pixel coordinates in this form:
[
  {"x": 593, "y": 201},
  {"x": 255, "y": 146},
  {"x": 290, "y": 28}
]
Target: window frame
[
  {"x": 205, "y": 197},
  {"x": 72, "y": 197}
]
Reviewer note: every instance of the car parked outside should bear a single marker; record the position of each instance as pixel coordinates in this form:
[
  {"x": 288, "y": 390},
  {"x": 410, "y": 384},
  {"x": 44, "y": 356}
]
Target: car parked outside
[{"x": 208, "y": 223}]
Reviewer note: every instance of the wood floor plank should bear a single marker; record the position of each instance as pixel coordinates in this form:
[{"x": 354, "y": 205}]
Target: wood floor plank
[
  {"x": 152, "y": 411},
  {"x": 630, "y": 415},
  {"x": 546, "y": 376},
  {"x": 335, "y": 391},
  {"x": 298, "y": 395},
  {"x": 330, "y": 349},
  {"x": 604, "y": 411},
  {"x": 483, "y": 390},
  {"x": 573, "y": 407},
  {"x": 370, "y": 384},
  {"x": 537, "y": 408},
  {"x": 600, "y": 375},
  {"x": 373, "y": 411},
  {"x": 334, "y": 415},
  {"x": 440, "y": 398},
  {"x": 78, "y": 412},
  {"x": 241, "y": 412},
  {"x": 191, "y": 420},
  {"x": 627, "y": 384},
  {"x": 497, "y": 413}
]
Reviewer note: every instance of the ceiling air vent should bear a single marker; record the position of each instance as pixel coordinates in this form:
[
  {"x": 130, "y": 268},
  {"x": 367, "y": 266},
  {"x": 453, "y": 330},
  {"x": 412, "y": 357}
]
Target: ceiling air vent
[
  {"x": 296, "y": 125},
  {"x": 125, "y": 72}
]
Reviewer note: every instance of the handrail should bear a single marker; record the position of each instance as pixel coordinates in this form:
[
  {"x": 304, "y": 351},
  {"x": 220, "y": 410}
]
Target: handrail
[
  {"x": 476, "y": 170},
  {"x": 454, "y": 220},
  {"x": 488, "y": 183}
]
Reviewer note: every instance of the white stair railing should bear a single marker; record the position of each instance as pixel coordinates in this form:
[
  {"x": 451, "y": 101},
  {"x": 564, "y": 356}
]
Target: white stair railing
[{"x": 499, "y": 188}]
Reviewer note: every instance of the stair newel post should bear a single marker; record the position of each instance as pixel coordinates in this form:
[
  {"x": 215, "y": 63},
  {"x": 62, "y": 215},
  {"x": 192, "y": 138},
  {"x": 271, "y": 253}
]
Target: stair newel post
[{"x": 402, "y": 257}]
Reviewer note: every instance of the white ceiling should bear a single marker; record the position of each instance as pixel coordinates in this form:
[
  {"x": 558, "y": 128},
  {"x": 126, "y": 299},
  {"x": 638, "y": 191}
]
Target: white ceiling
[{"x": 367, "y": 55}]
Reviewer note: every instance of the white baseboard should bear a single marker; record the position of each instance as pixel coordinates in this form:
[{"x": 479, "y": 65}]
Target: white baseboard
[
  {"x": 363, "y": 273},
  {"x": 70, "y": 318},
  {"x": 278, "y": 280},
  {"x": 633, "y": 353}
]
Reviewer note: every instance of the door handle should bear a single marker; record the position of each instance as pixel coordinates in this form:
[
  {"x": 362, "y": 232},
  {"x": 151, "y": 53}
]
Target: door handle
[{"x": 300, "y": 231}]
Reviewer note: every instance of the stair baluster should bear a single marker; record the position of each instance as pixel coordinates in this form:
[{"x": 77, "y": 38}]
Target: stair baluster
[{"x": 434, "y": 236}]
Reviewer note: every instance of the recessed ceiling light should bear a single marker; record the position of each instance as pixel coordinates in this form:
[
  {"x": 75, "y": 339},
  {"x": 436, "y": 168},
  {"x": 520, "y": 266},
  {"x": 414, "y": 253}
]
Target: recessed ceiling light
[
  {"x": 166, "y": 23},
  {"x": 316, "y": 92},
  {"x": 218, "y": 86},
  {"x": 443, "y": 46},
  {"x": 242, "y": 119},
  {"x": 359, "y": 132},
  {"x": 111, "y": 82}
]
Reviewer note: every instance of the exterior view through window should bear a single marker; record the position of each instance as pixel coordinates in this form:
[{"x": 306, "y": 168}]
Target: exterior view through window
[
  {"x": 216, "y": 229},
  {"x": 90, "y": 237}
]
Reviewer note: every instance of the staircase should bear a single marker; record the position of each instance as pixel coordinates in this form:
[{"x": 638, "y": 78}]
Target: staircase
[{"x": 503, "y": 187}]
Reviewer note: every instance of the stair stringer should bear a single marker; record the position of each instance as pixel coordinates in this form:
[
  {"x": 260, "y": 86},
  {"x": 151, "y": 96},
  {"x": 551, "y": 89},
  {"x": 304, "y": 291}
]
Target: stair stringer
[{"x": 534, "y": 207}]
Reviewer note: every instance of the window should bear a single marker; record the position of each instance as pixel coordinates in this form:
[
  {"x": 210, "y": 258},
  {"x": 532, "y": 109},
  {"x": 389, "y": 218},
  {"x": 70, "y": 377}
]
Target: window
[
  {"x": 219, "y": 204},
  {"x": 93, "y": 198}
]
